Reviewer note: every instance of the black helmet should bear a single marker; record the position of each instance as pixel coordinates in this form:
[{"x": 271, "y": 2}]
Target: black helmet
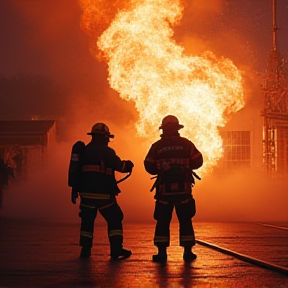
[
  {"x": 170, "y": 121},
  {"x": 100, "y": 128}
]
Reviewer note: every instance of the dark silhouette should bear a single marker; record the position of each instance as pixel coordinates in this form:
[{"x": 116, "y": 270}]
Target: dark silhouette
[
  {"x": 4, "y": 177},
  {"x": 14, "y": 161},
  {"x": 92, "y": 175},
  {"x": 172, "y": 159}
]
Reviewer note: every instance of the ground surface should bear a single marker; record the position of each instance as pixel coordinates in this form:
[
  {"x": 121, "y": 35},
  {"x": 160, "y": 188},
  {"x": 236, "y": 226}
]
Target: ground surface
[{"x": 46, "y": 255}]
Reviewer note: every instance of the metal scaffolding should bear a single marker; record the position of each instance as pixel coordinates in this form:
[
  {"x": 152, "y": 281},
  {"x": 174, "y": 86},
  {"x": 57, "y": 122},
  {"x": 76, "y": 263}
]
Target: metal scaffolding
[{"x": 275, "y": 112}]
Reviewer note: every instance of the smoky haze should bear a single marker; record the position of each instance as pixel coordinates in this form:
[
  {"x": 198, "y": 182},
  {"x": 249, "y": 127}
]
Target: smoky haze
[
  {"x": 43, "y": 40},
  {"x": 244, "y": 196}
]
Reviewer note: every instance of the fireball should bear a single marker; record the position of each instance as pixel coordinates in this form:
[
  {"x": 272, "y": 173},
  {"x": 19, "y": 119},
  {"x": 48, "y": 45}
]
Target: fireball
[{"x": 148, "y": 67}]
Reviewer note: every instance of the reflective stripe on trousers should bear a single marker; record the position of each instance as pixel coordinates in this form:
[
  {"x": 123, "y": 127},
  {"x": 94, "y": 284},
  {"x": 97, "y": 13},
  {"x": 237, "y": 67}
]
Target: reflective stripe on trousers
[{"x": 98, "y": 196}]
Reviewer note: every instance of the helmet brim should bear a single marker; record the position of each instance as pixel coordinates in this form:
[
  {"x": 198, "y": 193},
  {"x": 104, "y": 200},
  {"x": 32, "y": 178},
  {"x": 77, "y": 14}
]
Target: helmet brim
[
  {"x": 104, "y": 134},
  {"x": 167, "y": 126}
]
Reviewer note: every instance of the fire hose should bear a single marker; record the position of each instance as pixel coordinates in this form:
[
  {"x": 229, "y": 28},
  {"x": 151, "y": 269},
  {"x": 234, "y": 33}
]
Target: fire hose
[
  {"x": 124, "y": 178},
  {"x": 197, "y": 176}
]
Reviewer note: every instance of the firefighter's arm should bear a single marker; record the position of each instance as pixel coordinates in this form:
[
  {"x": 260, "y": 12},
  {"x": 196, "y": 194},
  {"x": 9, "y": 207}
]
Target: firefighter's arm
[
  {"x": 126, "y": 166},
  {"x": 123, "y": 166},
  {"x": 74, "y": 195},
  {"x": 150, "y": 163},
  {"x": 196, "y": 158}
]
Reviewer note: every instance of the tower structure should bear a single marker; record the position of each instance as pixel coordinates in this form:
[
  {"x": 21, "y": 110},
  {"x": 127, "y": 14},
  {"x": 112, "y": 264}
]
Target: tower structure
[{"x": 275, "y": 112}]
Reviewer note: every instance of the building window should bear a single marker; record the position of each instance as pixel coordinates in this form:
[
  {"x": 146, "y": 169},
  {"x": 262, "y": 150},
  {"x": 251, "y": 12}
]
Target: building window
[{"x": 236, "y": 146}]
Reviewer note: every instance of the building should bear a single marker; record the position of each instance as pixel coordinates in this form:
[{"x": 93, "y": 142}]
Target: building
[
  {"x": 256, "y": 138},
  {"x": 24, "y": 143}
]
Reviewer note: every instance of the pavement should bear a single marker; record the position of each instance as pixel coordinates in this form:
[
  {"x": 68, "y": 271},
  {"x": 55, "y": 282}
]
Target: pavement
[{"x": 41, "y": 254}]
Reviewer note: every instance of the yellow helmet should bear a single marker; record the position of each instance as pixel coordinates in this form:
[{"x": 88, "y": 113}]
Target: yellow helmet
[
  {"x": 170, "y": 121},
  {"x": 100, "y": 128}
]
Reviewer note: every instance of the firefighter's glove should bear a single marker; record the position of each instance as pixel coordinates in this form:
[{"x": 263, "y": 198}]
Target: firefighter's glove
[
  {"x": 74, "y": 195},
  {"x": 128, "y": 166}
]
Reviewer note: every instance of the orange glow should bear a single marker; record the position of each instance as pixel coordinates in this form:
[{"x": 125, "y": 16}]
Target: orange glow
[{"x": 147, "y": 66}]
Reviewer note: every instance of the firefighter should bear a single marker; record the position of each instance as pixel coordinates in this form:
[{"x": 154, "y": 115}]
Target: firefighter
[
  {"x": 172, "y": 159},
  {"x": 4, "y": 175},
  {"x": 92, "y": 176}
]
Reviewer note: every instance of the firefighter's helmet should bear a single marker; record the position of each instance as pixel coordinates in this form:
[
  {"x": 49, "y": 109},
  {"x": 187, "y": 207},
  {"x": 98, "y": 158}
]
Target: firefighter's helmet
[
  {"x": 102, "y": 129},
  {"x": 170, "y": 121}
]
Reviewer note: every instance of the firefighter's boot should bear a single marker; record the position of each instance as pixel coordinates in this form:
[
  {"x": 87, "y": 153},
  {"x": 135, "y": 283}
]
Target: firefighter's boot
[
  {"x": 85, "y": 252},
  {"x": 119, "y": 253},
  {"x": 188, "y": 255},
  {"x": 161, "y": 257}
]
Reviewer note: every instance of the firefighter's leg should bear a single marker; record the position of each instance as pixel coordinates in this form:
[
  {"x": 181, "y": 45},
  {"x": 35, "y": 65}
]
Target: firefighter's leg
[
  {"x": 186, "y": 231},
  {"x": 113, "y": 215},
  {"x": 163, "y": 215},
  {"x": 87, "y": 214}
]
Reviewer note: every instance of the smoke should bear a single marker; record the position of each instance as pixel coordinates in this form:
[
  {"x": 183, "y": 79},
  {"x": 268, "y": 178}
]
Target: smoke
[
  {"x": 48, "y": 35},
  {"x": 45, "y": 195},
  {"x": 224, "y": 29},
  {"x": 45, "y": 37},
  {"x": 242, "y": 196}
]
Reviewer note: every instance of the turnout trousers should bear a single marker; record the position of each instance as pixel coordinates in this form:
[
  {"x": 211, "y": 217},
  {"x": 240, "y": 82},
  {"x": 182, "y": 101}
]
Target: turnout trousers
[
  {"x": 113, "y": 215},
  {"x": 163, "y": 215}
]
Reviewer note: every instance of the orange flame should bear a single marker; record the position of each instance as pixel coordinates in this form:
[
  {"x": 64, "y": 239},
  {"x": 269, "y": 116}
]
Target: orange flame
[{"x": 148, "y": 67}]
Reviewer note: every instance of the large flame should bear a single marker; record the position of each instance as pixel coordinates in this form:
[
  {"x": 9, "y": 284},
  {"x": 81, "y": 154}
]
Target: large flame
[{"x": 148, "y": 67}]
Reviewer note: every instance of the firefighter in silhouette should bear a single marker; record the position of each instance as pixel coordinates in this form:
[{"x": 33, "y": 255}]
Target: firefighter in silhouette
[
  {"x": 4, "y": 175},
  {"x": 14, "y": 161},
  {"x": 92, "y": 176},
  {"x": 172, "y": 159}
]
